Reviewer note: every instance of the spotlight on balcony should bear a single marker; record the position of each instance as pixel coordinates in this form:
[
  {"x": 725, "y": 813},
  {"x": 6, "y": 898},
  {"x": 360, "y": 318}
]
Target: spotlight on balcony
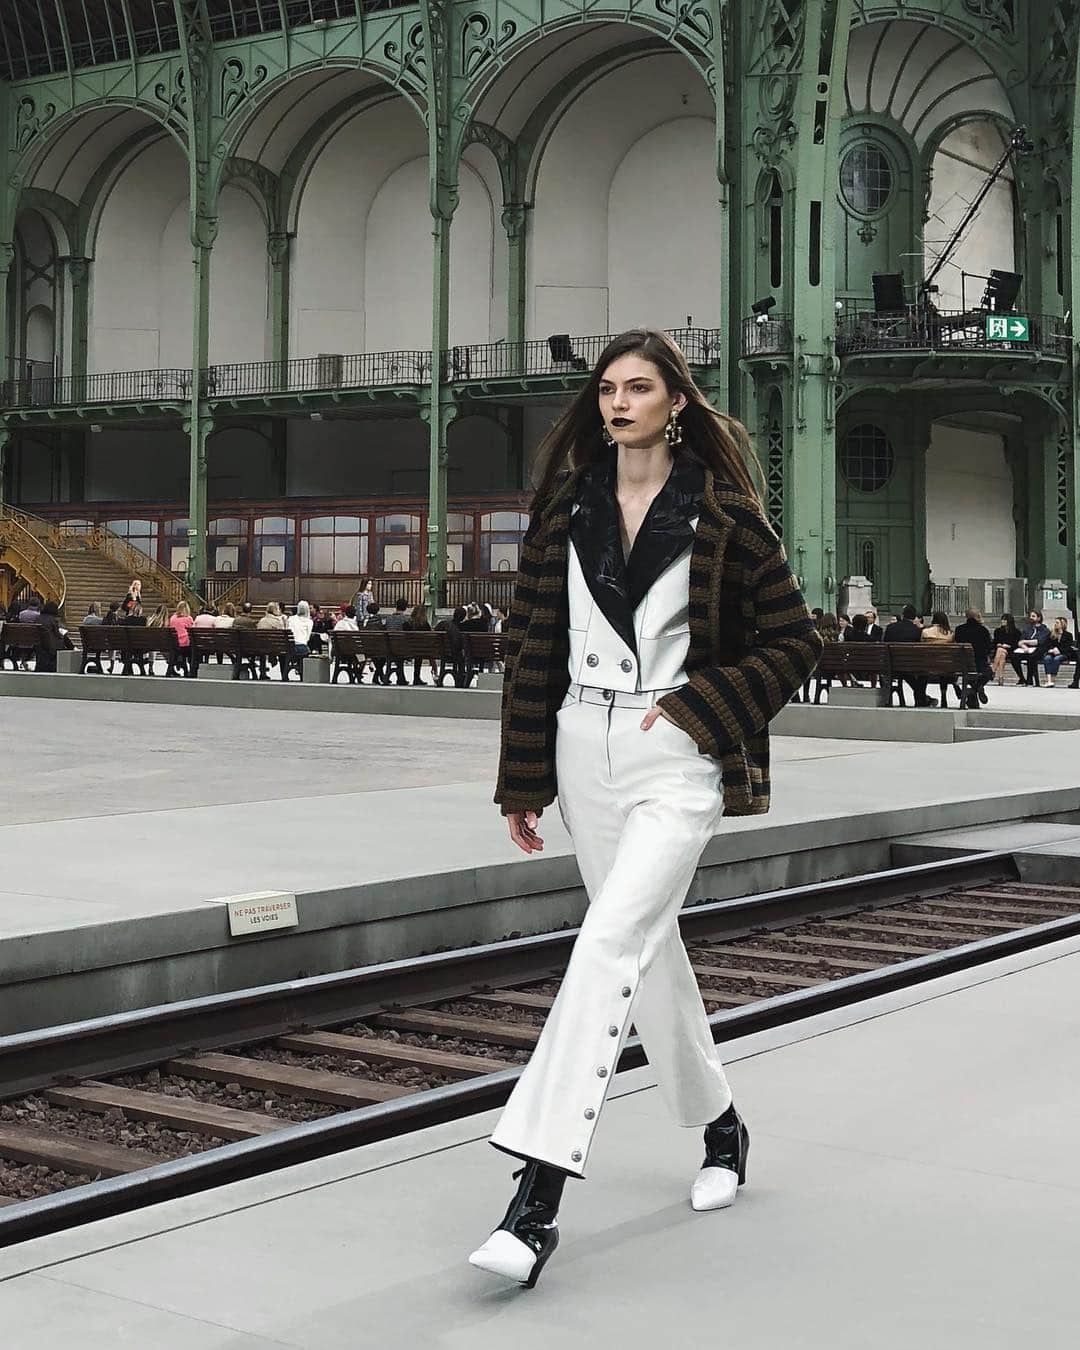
[
  {"x": 888, "y": 292},
  {"x": 315, "y": 416},
  {"x": 839, "y": 306},
  {"x": 1021, "y": 143},
  {"x": 95, "y": 427},
  {"x": 1002, "y": 288},
  {"x": 763, "y": 305}
]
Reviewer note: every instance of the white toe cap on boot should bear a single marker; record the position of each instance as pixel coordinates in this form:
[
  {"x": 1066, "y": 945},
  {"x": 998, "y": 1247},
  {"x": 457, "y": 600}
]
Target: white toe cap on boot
[
  {"x": 504, "y": 1254},
  {"x": 714, "y": 1188}
]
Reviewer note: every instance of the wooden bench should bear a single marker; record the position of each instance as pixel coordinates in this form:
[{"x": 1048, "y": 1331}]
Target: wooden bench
[
  {"x": 134, "y": 645},
  {"x": 208, "y": 642},
  {"x": 481, "y": 649},
  {"x": 18, "y": 641},
  {"x": 860, "y": 660},
  {"x": 347, "y": 651},
  {"x": 256, "y": 646},
  {"x": 943, "y": 663},
  {"x": 420, "y": 646}
]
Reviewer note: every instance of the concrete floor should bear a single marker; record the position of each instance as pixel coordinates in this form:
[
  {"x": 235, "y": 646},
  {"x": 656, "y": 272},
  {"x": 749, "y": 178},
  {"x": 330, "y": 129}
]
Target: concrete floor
[{"x": 913, "y": 1181}]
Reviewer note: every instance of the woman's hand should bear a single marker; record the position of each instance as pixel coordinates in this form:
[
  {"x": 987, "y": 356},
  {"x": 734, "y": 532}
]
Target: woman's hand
[
  {"x": 523, "y": 830},
  {"x": 651, "y": 716}
]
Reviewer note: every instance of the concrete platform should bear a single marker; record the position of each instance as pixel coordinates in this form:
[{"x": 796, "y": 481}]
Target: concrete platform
[
  {"x": 913, "y": 1181},
  {"x": 134, "y": 820}
]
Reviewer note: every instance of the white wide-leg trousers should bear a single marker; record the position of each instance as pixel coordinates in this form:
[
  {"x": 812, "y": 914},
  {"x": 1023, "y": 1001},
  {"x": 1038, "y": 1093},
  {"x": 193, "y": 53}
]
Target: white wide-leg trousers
[{"x": 640, "y": 807}]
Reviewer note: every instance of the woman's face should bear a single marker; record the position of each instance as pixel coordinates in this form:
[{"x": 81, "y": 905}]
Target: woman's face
[{"x": 635, "y": 403}]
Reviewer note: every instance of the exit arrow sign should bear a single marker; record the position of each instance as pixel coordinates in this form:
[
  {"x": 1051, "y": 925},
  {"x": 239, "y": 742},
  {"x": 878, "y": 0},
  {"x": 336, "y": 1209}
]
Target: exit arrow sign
[{"x": 1008, "y": 328}]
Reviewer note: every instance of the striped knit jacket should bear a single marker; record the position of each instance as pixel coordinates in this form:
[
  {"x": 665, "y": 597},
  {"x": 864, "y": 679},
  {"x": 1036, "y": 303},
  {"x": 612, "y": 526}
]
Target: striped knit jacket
[{"x": 752, "y": 645}]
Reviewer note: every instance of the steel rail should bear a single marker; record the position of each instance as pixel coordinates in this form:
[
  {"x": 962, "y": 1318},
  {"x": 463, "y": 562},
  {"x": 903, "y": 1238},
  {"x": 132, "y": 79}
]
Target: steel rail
[
  {"x": 127, "y": 1041},
  {"x": 316, "y": 1139}
]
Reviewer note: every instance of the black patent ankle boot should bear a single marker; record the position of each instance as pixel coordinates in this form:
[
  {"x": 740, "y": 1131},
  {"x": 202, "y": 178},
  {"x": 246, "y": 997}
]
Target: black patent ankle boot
[
  {"x": 522, "y": 1244},
  {"x": 727, "y": 1145}
]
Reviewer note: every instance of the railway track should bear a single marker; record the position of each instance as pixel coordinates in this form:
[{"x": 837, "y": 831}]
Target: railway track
[{"x": 105, "y": 1116}]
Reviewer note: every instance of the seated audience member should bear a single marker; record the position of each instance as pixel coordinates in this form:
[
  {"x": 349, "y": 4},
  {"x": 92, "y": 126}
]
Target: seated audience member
[
  {"x": 1059, "y": 648},
  {"x": 112, "y": 615},
  {"x": 300, "y": 625},
  {"x": 398, "y": 622},
  {"x": 858, "y": 630},
  {"x": 182, "y": 623},
  {"x": 245, "y": 619},
  {"x": 1005, "y": 638},
  {"x": 227, "y": 617},
  {"x": 206, "y": 618},
  {"x": 1028, "y": 651},
  {"x": 133, "y": 615},
  {"x": 31, "y": 611},
  {"x": 875, "y": 629},
  {"x": 52, "y": 639},
  {"x": 92, "y": 615},
  {"x": 347, "y": 623},
  {"x": 418, "y": 623},
  {"x": 159, "y": 618},
  {"x": 375, "y": 620},
  {"x": 976, "y": 635},
  {"x": 455, "y": 643},
  {"x": 908, "y": 629},
  {"x": 273, "y": 618},
  {"x": 940, "y": 630}
]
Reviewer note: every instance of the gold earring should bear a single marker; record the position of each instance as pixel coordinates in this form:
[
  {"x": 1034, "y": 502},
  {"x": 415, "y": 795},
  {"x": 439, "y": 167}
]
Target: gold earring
[
  {"x": 673, "y": 432},
  {"x": 606, "y": 436}
]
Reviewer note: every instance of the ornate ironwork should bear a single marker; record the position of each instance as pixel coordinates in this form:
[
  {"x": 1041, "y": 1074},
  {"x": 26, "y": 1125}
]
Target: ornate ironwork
[
  {"x": 238, "y": 83},
  {"x": 774, "y": 470}
]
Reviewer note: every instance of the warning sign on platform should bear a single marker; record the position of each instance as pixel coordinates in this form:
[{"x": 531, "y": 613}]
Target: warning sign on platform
[{"x": 260, "y": 912}]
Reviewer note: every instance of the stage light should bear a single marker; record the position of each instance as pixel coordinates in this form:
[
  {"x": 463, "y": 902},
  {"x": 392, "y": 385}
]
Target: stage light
[
  {"x": 888, "y": 292},
  {"x": 1001, "y": 291},
  {"x": 763, "y": 305}
]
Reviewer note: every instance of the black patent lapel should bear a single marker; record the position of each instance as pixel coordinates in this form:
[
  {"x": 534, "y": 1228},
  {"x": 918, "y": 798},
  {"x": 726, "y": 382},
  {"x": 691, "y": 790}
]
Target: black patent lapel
[{"x": 594, "y": 532}]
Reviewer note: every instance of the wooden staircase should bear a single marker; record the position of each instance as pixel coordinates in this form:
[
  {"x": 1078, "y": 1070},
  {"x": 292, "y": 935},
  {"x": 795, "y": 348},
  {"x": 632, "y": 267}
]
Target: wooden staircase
[{"x": 76, "y": 566}]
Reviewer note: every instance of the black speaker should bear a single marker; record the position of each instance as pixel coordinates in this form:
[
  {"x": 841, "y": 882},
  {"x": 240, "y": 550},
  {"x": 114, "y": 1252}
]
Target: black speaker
[
  {"x": 1002, "y": 288},
  {"x": 888, "y": 292},
  {"x": 561, "y": 348}
]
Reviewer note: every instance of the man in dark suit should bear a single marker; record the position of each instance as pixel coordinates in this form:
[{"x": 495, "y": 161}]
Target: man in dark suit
[
  {"x": 908, "y": 629},
  {"x": 874, "y": 630},
  {"x": 977, "y": 635}
]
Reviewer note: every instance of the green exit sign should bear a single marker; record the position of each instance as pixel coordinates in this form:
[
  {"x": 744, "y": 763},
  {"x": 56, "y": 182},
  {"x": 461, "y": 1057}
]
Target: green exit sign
[{"x": 1008, "y": 328}]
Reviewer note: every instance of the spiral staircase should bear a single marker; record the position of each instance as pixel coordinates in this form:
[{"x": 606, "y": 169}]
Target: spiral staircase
[{"x": 76, "y": 565}]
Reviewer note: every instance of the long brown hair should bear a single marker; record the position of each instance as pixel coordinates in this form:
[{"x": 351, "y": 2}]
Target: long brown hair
[{"x": 714, "y": 439}]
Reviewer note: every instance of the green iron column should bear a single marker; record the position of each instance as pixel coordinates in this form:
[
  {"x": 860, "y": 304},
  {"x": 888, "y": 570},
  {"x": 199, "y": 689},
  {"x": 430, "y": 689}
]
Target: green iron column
[
  {"x": 279, "y": 248},
  {"x": 199, "y": 421},
  {"x": 818, "y": 100},
  {"x": 444, "y": 152},
  {"x": 1072, "y": 578},
  {"x": 515, "y": 220},
  {"x": 79, "y": 271}
]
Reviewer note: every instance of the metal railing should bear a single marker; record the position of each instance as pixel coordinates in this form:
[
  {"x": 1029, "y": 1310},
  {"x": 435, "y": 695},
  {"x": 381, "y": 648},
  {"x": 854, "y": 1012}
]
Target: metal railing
[
  {"x": 100, "y": 539},
  {"x": 34, "y": 385},
  {"x": 124, "y": 386},
  {"x": 859, "y": 330},
  {"x": 459, "y": 590},
  {"x": 26, "y": 552},
  {"x": 767, "y": 335}
]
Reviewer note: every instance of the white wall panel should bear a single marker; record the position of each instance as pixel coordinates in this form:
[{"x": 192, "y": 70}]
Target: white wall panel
[
  {"x": 330, "y": 250},
  {"x": 579, "y": 186},
  {"x": 969, "y": 497},
  {"x": 239, "y": 282},
  {"x": 664, "y": 244},
  {"x": 130, "y": 250}
]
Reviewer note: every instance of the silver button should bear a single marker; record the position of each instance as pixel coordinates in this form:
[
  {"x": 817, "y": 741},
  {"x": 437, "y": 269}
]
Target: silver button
[
  {"x": 626, "y": 991},
  {"x": 590, "y": 1114},
  {"x": 592, "y": 659},
  {"x": 613, "y": 1031},
  {"x": 601, "y": 1072},
  {"x": 626, "y": 665},
  {"x": 576, "y": 1155},
  {"x": 607, "y": 693}
]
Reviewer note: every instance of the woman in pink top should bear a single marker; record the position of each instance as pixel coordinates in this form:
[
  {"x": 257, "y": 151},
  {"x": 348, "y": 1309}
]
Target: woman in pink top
[{"x": 181, "y": 623}]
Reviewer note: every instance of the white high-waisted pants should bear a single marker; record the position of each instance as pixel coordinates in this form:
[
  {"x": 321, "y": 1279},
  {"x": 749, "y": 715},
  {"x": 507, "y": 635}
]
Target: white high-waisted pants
[{"x": 640, "y": 807}]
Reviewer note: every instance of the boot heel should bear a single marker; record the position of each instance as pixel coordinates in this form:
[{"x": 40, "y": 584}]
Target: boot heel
[{"x": 541, "y": 1262}]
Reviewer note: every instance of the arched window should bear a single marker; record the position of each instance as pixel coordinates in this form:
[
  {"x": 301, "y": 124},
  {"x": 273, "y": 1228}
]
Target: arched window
[
  {"x": 867, "y": 559},
  {"x": 776, "y": 231},
  {"x": 397, "y": 543},
  {"x": 866, "y": 179},
  {"x": 275, "y": 545},
  {"x": 501, "y": 533},
  {"x": 866, "y": 458}
]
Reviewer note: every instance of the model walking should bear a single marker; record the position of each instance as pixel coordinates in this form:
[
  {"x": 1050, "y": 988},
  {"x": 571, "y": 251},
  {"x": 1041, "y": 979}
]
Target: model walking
[{"x": 656, "y": 628}]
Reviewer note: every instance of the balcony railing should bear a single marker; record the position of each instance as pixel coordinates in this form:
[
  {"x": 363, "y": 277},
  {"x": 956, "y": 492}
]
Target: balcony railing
[
  {"x": 34, "y": 385},
  {"x": 859, "y": 331},
  {"x": 766, "y": 335}
]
